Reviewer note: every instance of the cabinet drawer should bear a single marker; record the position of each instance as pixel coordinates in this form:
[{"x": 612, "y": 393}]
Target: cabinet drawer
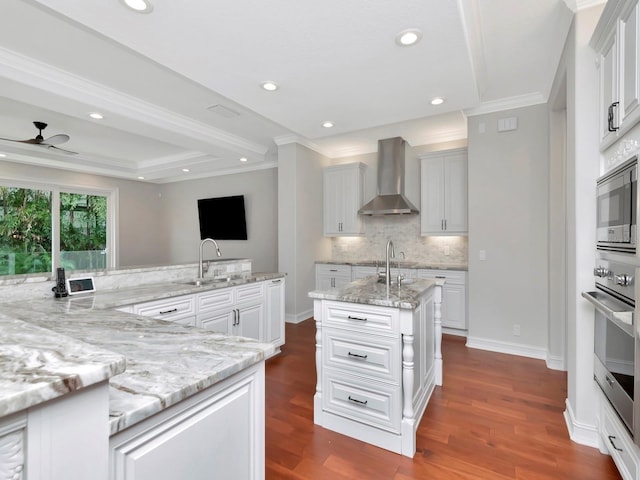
[
  {"x": 167, "y": 309},
  {"x": 333, "y": 270},
  {"x": 452, "y": 276},
  {"x": 618, "y": 443},
  {"x": 363, "y": 400},
  {"x": 215, "y": 300},
  {"x": 379, "y": 357},
  {"x": 361, "y": 317},
  {"x": 252, "y": 292}
]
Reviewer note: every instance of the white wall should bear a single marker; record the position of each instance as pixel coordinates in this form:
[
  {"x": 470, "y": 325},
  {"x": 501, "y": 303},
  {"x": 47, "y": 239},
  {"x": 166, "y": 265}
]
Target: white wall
[
  {"x": 141, "y": 226},
  {"x": 508, "y": 220},
  {"x": 260, "y": 190},
  {"x": 300, "y": 225}
]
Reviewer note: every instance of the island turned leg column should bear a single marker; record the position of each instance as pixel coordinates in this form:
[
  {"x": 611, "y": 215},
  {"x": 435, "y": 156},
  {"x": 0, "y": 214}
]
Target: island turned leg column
[
  {"x": 437, "y": 317},
  {"x": 408, "y": 413},
  {"x": 317, "y": 399}
]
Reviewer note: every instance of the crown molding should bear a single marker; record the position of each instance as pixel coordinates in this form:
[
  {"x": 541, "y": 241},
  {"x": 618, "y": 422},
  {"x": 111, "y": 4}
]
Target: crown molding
[
  {"x": 61, "y": 83},
  {"x": 506, "y": 104}
]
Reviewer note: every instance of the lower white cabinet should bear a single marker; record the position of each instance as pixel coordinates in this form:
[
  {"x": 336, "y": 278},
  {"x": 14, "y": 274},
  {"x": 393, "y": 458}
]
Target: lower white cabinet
[
  {"x": 254, "y": 310},
  {"x": 616, "y": 440},
  {"x": 330, "y": 276},
  {"x": 217, "y": 433},
  {"x": 454, "y": 298}
]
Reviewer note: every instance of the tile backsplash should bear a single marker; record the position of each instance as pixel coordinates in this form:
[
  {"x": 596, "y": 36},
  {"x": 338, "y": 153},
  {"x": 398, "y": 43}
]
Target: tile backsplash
[{"x": 404, "y": 231}]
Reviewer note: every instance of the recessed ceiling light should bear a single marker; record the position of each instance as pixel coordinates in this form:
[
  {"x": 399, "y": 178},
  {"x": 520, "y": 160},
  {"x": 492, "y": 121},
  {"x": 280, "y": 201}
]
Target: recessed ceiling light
[
  {"x": 140, "y": 178},
  {"x": 3, "y": 155},
  {"x": 96, "y": 116},
  {"x": 437, "y": 101},
  {"x": 243, "y": 159},
  {"x": 139, "y": 6},
  {"x": 185, "y": 170},
  {"x": 270, "y": 86},
  {"x": 408, "y": 37},
  {"x": 327, "y": 124}
]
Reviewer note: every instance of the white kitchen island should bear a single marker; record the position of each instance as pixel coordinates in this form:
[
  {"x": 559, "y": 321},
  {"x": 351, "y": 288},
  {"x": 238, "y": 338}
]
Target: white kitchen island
[{"x": 378, "y": 359}]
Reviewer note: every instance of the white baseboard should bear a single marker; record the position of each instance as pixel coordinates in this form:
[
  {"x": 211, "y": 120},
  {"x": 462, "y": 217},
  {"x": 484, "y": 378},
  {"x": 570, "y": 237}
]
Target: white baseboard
[
  {"x": 507, "y": 347},
  {"x": 298, "y": 317},
  {"x": 581, "y": 433},
  {"x": 454, "y": 331},
  {"x": 555, "y": 363}
]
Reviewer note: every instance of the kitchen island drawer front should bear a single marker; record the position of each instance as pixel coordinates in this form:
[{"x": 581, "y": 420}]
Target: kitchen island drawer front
[
  {"x": 361, "y": 353},
  {"x": 362, "y": 317},
  {"x": 253, "y": 292},
  {"x": 215, "y": 300},
  {"x": 168, "y": 309},
  {"x": 618, "y": 442},
  {"x": 363, "y": 400}
]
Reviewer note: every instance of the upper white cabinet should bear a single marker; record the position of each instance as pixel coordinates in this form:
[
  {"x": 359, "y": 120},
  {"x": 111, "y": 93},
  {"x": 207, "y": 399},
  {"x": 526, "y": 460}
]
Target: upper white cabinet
[
  {"x": 616, "y": 41},
  {"x": 343, "y": 196},
  {"x": 443, "y": 193}
]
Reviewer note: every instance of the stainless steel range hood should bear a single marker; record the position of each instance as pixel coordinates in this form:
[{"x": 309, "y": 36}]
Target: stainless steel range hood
[{"x": 390, "y": 199}]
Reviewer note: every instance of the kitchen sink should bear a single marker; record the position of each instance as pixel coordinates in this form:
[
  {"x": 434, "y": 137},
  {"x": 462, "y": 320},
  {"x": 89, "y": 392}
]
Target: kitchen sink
[
  {"x": 394, "y": 281},
  {"x": 205, "y": 281}
]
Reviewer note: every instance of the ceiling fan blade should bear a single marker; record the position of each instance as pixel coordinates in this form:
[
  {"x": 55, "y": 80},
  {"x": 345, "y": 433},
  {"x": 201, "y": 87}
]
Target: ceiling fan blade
[
  {"x": 31, "y": 141},
  {"x": 56, "y": 139},
  {"x": 62, "y": 150}
]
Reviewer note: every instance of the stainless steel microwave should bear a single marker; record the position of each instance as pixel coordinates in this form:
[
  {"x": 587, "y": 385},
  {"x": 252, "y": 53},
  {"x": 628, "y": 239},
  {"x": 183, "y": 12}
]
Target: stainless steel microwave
[{"x": 616, "y": 209}]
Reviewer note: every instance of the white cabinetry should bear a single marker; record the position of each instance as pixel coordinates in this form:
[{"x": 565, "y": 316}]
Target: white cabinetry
[
  {"x": 275, "y": 312},
  {"x": 616, "y": 40},
  {"x": 234, "y": 310},
  {"x": 343, "y": 196},
  {"x": 615, "y": 440},
  {"x": 217, "y": 433},
  {"x": 176, "y": 309},
  {"x": 332, "y": 276},
  {"x": 443, "y": 185},
  {"x": 454, "y": 298}
]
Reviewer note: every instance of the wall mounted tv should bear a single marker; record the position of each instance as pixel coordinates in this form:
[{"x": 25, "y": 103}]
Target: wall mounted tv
[{"x": 222, "y": 218}]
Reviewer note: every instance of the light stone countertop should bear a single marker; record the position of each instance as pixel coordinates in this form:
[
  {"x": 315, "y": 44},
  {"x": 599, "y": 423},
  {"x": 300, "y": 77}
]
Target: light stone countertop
[
  {"x": 398, "y": 264},
  {"x": 370, "y": 291},
  {"x": 51, "y": 347}
]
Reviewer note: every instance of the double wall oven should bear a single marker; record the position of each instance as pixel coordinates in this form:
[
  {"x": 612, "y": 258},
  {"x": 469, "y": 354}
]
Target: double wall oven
[{"x": 614, "y": 297}]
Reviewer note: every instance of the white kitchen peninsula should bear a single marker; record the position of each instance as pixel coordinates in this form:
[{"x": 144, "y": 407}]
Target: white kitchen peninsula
[
  {"x": 378, "y": 359},
  {"x": 151, "y": 399}
]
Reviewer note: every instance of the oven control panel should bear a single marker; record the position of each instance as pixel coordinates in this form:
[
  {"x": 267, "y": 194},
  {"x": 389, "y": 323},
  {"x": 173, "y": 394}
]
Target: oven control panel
[{"x": 617, "y": 278}]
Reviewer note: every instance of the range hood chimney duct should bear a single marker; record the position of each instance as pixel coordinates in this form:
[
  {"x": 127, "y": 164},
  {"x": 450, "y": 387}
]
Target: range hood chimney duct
[{"x": 390, "y": 199}]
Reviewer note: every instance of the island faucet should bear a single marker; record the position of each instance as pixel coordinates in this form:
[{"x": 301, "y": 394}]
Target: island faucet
[
  {"x": 390, "y": 254},
  {"x": 200, "y": 261}
]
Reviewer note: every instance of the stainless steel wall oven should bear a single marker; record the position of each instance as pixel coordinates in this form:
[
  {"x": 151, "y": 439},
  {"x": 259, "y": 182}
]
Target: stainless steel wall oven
[{"x": 614, "y": 337}]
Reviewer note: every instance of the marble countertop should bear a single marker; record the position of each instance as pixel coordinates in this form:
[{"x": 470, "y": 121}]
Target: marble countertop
[
  {"x": 398, "y": 264},
  {"x": 371, "y": 292},
  {"x": 51, "y": 347}
]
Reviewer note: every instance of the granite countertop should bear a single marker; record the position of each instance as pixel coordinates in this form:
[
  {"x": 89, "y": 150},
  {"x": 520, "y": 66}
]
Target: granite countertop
[
  {"x": 371, "y": 292},
  {"x": 398, "y": 264},
  {"x": 51, "y": 347}
]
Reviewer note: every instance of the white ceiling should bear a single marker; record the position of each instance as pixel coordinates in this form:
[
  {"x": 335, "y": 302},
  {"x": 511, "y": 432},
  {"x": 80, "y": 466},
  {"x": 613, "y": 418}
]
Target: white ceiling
[{"x": 153, "y": 76}]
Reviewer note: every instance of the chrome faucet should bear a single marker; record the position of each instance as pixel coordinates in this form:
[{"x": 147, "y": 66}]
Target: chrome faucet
[
  {"x": 200, "y": 261},
  {"x": 390, "y": 254}
]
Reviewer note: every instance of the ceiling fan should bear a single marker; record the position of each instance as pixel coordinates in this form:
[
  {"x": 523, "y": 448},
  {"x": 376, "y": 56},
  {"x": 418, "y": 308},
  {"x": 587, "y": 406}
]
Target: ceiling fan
[{"x": 50, "y": 142}]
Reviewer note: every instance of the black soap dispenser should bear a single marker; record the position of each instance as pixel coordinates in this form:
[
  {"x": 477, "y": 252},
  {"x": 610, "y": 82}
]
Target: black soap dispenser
[{"x": 60, "y": 290}]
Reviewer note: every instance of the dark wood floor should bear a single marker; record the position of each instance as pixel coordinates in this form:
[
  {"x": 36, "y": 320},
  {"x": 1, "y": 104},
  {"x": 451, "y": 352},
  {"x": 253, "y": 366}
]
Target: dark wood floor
[{"x": 496, "y": 417}]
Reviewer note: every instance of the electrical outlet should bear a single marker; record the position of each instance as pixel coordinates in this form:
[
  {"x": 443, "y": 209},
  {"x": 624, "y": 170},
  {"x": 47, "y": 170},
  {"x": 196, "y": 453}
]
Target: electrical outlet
[
  {"x": 445, "y": 250},
  {"x": 516, "y": 329}
]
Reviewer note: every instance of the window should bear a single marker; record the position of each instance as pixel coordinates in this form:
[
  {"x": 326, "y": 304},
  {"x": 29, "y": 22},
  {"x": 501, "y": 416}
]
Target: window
[{"x": 43, "y": 229}]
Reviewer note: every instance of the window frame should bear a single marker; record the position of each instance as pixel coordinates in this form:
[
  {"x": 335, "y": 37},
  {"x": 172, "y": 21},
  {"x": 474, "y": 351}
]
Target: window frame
[{"x": 111, "y": 194}]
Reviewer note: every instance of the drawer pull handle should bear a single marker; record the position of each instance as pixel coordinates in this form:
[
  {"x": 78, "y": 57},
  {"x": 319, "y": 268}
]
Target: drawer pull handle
[
  {"x": 355, "y": 400},
  {"x": 609, "y": 381},
  {"x": 357, "y": 356},
  {"x": 357, "y": 318},
  {"x": 611, "y": 439},
  {"x": 441, "y": 276},
  {"x": 173, "y": 310}
]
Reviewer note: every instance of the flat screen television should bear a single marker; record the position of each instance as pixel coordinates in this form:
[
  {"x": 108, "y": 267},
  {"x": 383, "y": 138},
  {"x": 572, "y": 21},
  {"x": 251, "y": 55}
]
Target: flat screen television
[{"x": 222, "y": 218}]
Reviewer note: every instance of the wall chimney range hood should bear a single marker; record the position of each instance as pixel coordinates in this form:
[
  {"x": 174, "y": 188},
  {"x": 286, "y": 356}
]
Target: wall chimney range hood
[{"x": 390, "y": 199}]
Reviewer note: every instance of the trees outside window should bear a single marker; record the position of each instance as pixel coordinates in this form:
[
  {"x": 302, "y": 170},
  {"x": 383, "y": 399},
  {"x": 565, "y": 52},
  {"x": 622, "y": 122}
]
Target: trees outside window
[{"x": 27, "y": 237}]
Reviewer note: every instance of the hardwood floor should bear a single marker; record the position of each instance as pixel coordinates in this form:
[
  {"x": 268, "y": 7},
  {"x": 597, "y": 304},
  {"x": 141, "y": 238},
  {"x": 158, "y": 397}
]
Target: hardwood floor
[{"x": 496, "y": 417}]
